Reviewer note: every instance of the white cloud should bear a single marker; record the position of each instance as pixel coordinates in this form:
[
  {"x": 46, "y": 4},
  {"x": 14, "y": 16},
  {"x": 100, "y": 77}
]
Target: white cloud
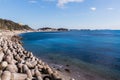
[
  {"x": 110, "y": 8},
  {"x": 93, "y": 8},
  {"x": 61, "y": 3},
  {"x": 32, "y": 1},
  {"x": 49, "y": 0}
]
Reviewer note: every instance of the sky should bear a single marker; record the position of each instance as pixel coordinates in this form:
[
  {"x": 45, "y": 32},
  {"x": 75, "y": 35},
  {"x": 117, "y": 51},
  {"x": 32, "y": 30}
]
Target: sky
[{"x": 74, "y": 14}]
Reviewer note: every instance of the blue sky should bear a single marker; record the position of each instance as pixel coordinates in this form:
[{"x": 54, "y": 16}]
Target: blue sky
[{"x": 80, "y": 14}]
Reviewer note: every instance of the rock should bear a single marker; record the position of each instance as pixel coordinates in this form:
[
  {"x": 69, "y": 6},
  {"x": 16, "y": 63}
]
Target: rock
[
  {"x": 33, "y": 59},
  {"x": 25, "y": 52},
  {"x": 1, "y": 56},
  {"x": 18, "y": 76},
  {"x": 12, "y": 68},
  {"x": 8, "y": 58},
  {"x": 40, "y": 62},
  {"x": 47, "y": 78},
  {"x": 72, "y": 79},
  {"x": 67, "y": 70},
  {"x": 34, "y": 63},
  {"x": 27, "y": 79},
  {"x": 20, "y": 67},
  {"x": 14, "y": 52},
  {"x": 67, "y": 65},
  {"x": 36, "y": 59},
  {"x": 14, "y": 46},
  {"x": 33, "y": 72},
  {"x": 8, "y": 51},
  {"x": 17, "y": 57},
  {"x": 23, "y": 57},
  {"x": 43, "y": 63},
  {"x": 6, "y": 75},
  {"x": 29, "y": 74},
  {"x": 49, "y": 70},
  {"x": 25, "y": 68},
  {"x": 29, "y": 64},
  {"x": 22, "y": 61},
  {"x": 14, "y": 61},
  {"x": 1, "y": 72},
  {"x": 38, "y": 75},
  {"x": 31, "y": 54},
  {"x": 36, "y": 68},
  {"x": 27, "y": 71},
  {"x": 40, "y": 66},
  {"x": 56, "y": 76},
  {"x": 4, "y": 64},
  {"x": 5, "y": 49}
]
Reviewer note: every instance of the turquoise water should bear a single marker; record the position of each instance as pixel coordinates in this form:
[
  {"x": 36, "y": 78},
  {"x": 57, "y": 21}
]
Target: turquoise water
[{"x": 100, "y": 48}]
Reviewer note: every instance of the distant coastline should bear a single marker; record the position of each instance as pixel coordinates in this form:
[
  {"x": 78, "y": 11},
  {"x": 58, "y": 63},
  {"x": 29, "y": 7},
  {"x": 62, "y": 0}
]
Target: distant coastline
[{"x": 49, "y": 29}]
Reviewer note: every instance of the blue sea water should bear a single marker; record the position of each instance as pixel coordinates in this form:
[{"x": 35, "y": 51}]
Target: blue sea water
[{"x": 97, "y": 47}]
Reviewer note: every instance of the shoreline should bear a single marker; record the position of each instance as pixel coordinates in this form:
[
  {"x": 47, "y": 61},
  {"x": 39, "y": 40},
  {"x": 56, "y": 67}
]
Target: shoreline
[{"x": 12, "y": 33}]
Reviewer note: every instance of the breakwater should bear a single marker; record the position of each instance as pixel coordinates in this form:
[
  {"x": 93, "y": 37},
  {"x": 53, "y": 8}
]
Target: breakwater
[{"x": 18, "y": 64}]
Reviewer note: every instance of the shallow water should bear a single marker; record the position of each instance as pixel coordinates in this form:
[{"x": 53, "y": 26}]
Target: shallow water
[{"x": 98, "y": 48}]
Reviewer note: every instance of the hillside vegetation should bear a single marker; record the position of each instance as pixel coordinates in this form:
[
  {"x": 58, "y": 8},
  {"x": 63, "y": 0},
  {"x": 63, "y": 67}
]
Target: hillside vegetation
[
  {"x": 52, "y": 29},
  {"x": 10, "y": 25}
]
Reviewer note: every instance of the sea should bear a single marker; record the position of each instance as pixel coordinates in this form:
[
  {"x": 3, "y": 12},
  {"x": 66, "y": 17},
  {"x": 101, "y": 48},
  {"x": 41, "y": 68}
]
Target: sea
[{"x": 97, "y": 51}]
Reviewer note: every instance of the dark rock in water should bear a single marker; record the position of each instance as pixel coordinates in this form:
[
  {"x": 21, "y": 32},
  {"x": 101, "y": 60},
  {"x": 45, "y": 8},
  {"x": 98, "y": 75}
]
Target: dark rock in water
[
  {"x": 67, "y": 70},
  {"x": 67, "y": 65},
  {"x": 58, "y": 69}
]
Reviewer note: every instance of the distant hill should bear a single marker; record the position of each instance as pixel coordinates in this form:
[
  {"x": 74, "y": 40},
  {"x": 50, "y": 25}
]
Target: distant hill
[
  {"x": 10, "y": 25},
  {"x": 52, "y": 29},
  {"x": 62, "y": 29}
]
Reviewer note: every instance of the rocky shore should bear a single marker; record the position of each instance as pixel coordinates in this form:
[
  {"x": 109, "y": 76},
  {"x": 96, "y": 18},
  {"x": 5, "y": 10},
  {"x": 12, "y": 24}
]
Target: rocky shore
[{"x": 18, "y": 64}]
